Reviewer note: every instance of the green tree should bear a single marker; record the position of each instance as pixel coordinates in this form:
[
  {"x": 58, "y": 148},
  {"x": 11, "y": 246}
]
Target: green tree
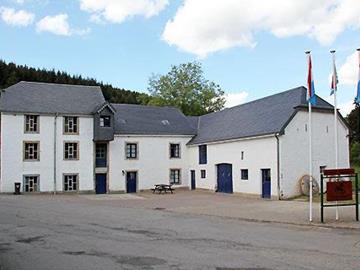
[
  {"x": 185, "y": 87},
  {"x": 11, "y": 73}
]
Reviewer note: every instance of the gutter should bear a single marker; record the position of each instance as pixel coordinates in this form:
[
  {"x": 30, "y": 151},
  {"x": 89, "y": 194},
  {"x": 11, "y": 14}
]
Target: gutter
[
  {"x": 278, "y": 164},
  {"x": 55, "y": 138}
]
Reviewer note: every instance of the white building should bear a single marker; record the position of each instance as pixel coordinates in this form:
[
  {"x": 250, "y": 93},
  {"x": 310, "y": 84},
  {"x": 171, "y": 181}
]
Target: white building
[{"x": 66, "y": 138}]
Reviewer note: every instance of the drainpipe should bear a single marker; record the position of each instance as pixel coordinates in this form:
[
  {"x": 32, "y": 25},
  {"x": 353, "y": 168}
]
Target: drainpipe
[
  {"x": 55, "y": 125},
  {"x": 278, "y": 164}
]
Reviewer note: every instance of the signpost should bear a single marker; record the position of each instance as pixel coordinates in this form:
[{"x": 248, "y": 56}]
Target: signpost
[{"x": 339, "y": 187}]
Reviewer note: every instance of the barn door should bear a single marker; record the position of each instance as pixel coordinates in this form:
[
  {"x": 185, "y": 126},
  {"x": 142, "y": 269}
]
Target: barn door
[{"x": 224, "y": 178}]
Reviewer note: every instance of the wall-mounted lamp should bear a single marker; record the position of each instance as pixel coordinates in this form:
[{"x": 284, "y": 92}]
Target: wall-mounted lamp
[{"x": 123, "y": 172}]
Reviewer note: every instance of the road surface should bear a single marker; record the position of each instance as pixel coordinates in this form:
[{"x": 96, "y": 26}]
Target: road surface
[{"x": 69, "y": 232}]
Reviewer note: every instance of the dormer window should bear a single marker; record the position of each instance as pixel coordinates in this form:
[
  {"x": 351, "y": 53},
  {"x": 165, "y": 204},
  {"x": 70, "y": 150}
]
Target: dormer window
[
  {"x": 105, "y": 121},
  {"x": 165, "y": 122}
]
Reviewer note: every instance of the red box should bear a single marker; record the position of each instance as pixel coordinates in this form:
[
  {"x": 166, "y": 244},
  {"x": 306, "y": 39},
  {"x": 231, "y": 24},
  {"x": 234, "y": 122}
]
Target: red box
[{"x": 339, "y": 191}]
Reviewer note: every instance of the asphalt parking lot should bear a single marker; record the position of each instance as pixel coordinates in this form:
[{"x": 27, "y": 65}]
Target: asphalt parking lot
[{"x": 148, "y": 231}]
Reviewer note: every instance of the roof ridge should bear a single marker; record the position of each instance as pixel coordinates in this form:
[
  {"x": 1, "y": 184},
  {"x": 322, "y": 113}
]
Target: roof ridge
[
  {"x": 60, "y": 84},
  {"x": 144, "y": 105},
  {"x": 257, "y": 100}
]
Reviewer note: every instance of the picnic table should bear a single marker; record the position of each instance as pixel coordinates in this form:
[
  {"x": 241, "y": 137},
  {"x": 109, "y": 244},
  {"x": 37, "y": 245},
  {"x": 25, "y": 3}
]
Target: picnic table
[{"x": 162, "y": 188}]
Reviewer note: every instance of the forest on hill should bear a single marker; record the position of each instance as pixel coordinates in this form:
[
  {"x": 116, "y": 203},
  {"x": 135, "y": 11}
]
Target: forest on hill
[{"x": 10, "y": 73}]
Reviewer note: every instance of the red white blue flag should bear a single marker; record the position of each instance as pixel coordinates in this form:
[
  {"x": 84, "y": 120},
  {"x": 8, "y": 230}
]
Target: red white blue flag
[
  {"x": 334, "y": 80},
  {"x": 310, "y": 84}
]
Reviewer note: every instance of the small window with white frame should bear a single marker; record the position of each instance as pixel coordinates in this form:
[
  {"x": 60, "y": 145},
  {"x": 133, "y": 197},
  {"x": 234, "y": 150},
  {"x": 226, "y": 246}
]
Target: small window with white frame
[
  {"x": 244, "y": 174},
  {"x": 31, "y": 151},
  {"x": 174, "y": 150},
  {"x": 71, "y": 182},
  {"x": 203, "y": 174},
  {"x": 71, "y": 150},
  {"x": 31, "y": 183},
  {"x": 31, "y": 123},
  {"x": 105, "y": 121},
  {"x": 71, "y": 125},
  {"x": 175, "y": 177}
]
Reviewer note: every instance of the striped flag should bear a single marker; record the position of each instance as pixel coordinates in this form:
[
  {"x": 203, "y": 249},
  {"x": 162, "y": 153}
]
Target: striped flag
[
  {"x": 357, "y": 100},
  {"x": 334, "y": 80},
  {"x": 310, "y": 83}
]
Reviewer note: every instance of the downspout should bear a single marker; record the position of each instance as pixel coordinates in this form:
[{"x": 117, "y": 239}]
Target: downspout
[
  {"x": 55, "y": 137},
  {"x": 278, "y": 164}
]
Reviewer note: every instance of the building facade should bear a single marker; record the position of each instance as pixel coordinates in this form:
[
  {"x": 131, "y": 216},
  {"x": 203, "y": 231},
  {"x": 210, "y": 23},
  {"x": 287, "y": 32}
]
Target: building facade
[{"x": 65, "y": 138}]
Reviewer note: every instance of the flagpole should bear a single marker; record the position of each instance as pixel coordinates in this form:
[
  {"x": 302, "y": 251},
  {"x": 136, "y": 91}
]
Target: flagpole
[
  {"x": 357, "y": 99},
  {"x": 310, "y": 152},
  {"x": 334, "y": 86}
]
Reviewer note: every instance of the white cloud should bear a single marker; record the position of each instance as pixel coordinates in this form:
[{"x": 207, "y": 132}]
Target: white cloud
[
  {"x": 16, "y": 18},
  {"x": 346, "y": 108},
  {"x": 348, "y": 72},
  {"x": 234, "y": 99},
  {"x": 202, "y": 26},
  {"x": 117, "y": 11},
  {"x": 59, "y": 25}
]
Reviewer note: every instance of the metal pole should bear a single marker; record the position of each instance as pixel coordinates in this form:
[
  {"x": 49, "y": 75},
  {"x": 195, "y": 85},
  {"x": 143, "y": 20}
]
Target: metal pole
[
  {"x": 334, "y": 85},
  {"x": 310, "y": 165},
  {"x": 357, "y": 196},
  {"x": 322, "y": 198},
  {"x": 310, "y": 139},
  {"x": 55, "y": 138}
]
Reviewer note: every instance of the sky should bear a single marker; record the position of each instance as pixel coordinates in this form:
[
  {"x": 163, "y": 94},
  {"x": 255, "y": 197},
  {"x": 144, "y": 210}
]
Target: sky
[{"x": 251, "y": 48}]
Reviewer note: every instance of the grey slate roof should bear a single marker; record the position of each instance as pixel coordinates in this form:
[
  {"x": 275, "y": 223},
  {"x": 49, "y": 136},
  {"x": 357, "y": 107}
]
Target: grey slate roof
[
  {"x": 264, "y": 116},
  {"x": 151, "y": 120},
  {"x": 34, "y": 97},
  {"x": 267, "y": 115}
]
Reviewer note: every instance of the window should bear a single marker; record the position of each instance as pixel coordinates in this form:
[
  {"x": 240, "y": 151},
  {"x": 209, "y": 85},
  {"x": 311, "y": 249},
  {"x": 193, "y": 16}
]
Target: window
[
  {"x": 101, "y": 151},
  {"x": 31, "y": 151},
  {"x": 244, "y": 174},
  {"x": 70, "y": 182},
  {"x": 101, "y": 155},
  {"x": 202, "y": 154},
  {"x": 105, "y": 121},
  {"x": 174, "y": 150},
  {"x": 71, "y": 150},
  {"x": 131, "y": 150},
  {"x": 31, "y": 183},
  {"x": 71, "y": 125},
  {"x": 175, "y": 177},
  {"x": 203, "y": 173},
  {"x": 31, "y": 123},
  {"x": 242, "y": 155}
]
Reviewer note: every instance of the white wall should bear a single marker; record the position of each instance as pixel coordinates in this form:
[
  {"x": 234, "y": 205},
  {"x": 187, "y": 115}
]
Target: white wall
[
  {"x": 153, "y": 163},
  {"x": 13, "y": 167},
  {"x": 259, "y": 154},
  {"x": 294, "y": 149}
]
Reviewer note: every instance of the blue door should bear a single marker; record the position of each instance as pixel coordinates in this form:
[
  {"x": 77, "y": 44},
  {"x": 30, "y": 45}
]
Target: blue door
[
  {"x": 266, "y": 183},
  {"x": 100, "y": 187},
  {"x": 193, "y": 180},
  {"x": 224, "y": 178},
  {"x": 131, "y": 182}
]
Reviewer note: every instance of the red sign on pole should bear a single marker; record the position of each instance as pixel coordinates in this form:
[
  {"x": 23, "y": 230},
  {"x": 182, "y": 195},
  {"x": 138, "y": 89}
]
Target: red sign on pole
[{"x": 339, "y": 191}]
